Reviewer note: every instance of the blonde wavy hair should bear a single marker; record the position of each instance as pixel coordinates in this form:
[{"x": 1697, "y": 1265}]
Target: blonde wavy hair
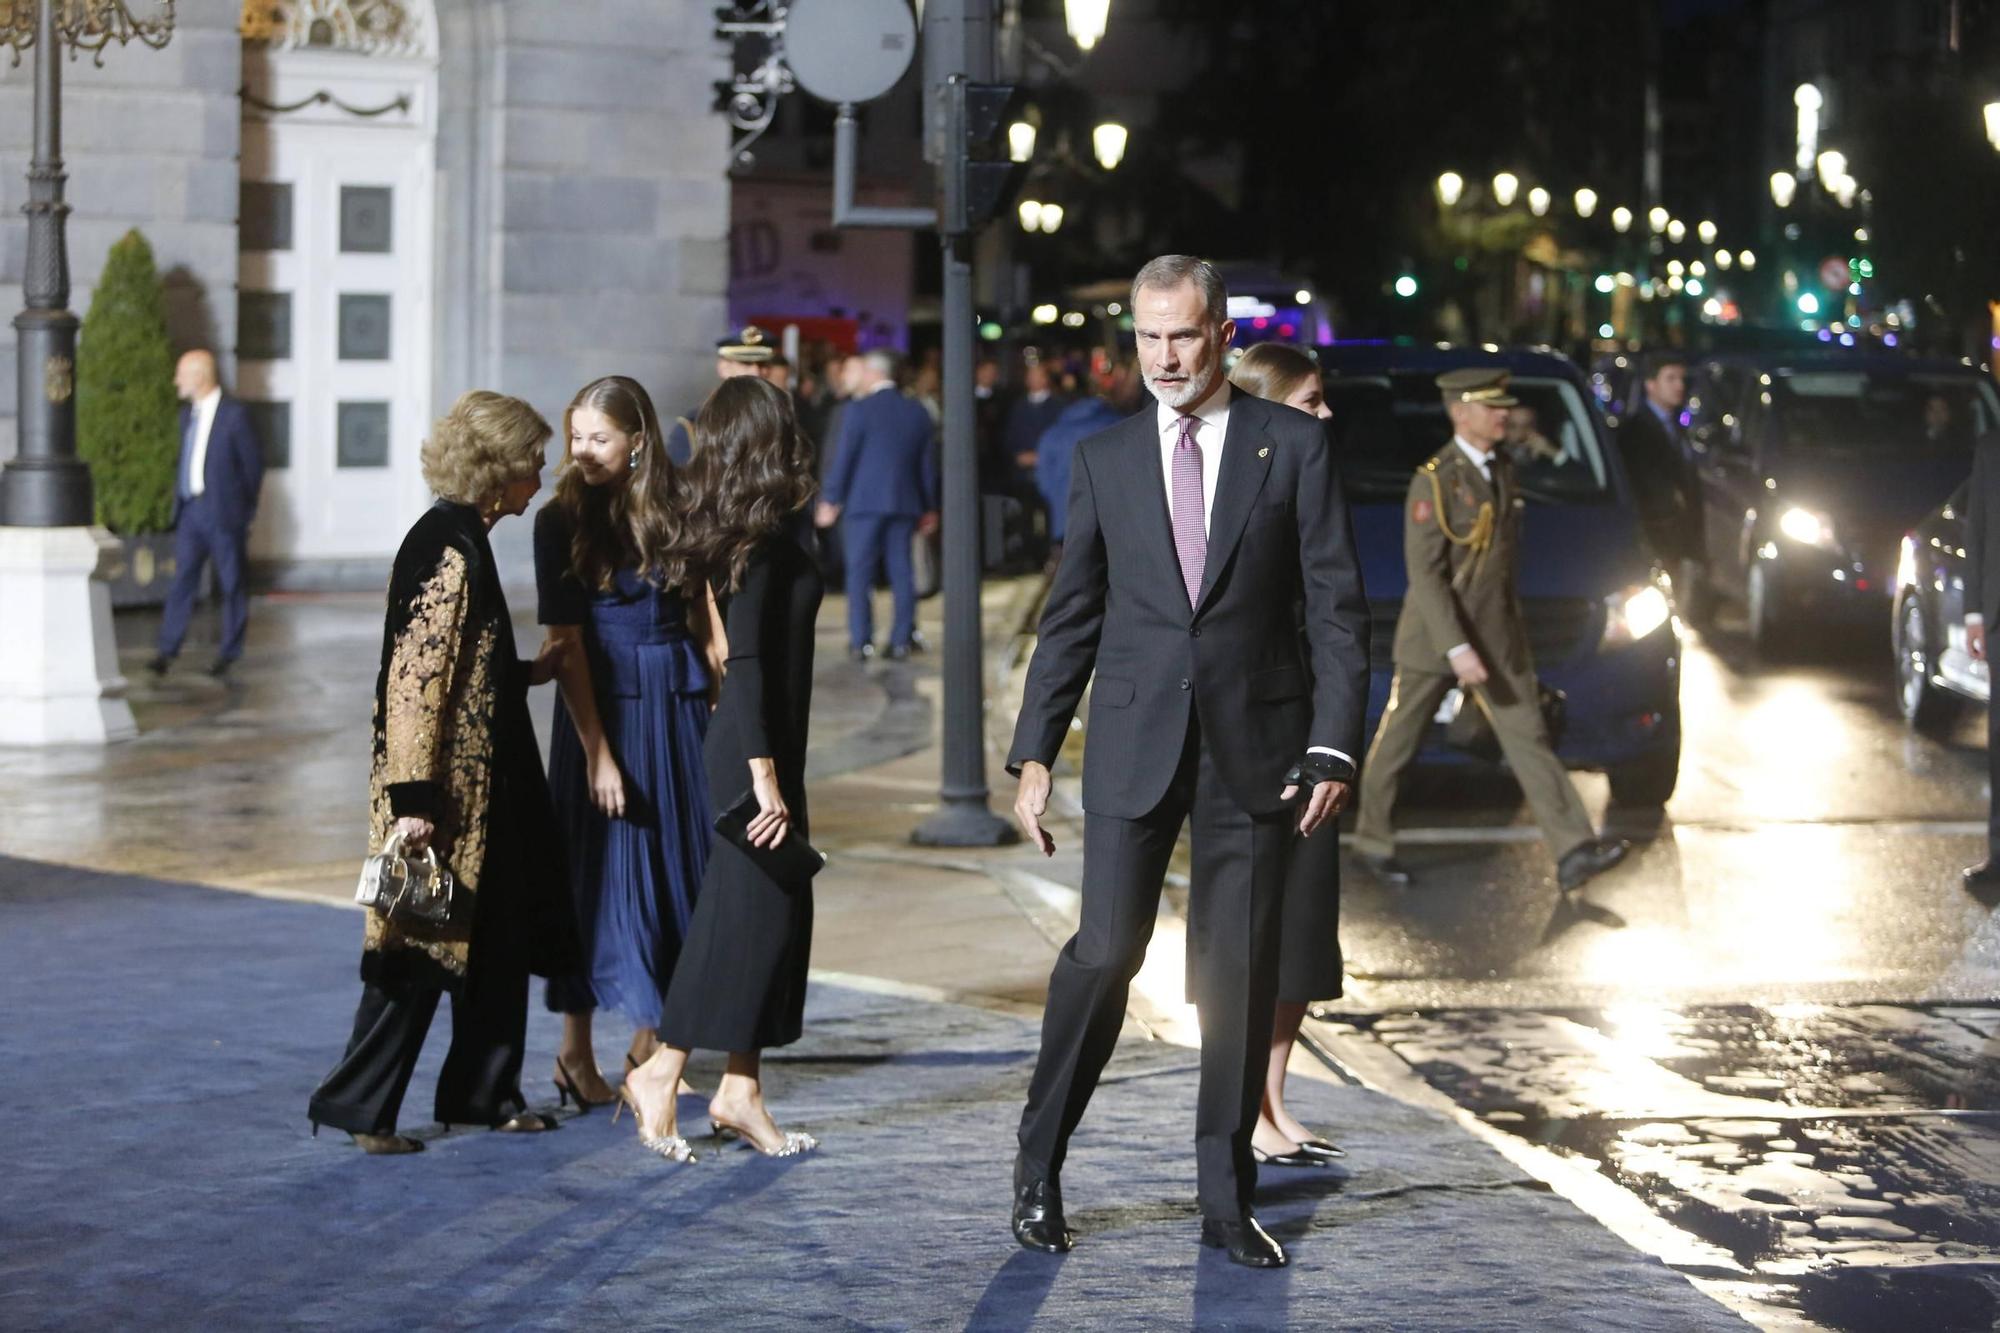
[
  {"x": 484, "y": 443},
  {"x": 1273, "y": 371}
]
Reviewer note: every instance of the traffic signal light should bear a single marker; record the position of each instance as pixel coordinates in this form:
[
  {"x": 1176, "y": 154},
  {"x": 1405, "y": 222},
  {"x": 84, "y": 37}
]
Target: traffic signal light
[{"x": 978, "y": 180}]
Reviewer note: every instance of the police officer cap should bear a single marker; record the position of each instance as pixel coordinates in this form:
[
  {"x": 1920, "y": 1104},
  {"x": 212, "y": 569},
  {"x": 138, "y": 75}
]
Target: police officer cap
[
  {"x": 752, "y": 346},
  {"x": 1477, "y": 384}
]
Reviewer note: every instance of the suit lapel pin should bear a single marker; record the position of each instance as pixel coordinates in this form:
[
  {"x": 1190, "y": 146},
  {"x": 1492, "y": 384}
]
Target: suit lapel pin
[{"x": 1264, "y": 452}]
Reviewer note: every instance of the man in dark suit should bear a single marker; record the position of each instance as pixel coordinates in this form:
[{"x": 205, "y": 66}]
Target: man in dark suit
[
  {"x": 216, "y": 485},
  {"x": 1195, "y": 532},
  {"x": 1982, "y": 605},
  {"x": 1656, "y": 458},
  {"x": 1030, "y": 415},
  {"x": 882, "y": 489}
]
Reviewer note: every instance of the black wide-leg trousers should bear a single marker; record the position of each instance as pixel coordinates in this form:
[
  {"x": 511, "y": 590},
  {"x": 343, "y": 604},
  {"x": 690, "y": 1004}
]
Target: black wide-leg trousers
[
  {"x": 480, "y": 1083},
  {"x": 1236, "y": 893}
]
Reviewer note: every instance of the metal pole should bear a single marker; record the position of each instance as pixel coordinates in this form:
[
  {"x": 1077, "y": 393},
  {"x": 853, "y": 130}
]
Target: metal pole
[
  {"x": 962, "y": 31},
  {"x": 45, "y": 485}
]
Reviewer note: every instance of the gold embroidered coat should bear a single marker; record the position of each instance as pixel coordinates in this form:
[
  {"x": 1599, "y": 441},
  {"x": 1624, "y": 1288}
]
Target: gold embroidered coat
[{"x": 454, "y": 744}]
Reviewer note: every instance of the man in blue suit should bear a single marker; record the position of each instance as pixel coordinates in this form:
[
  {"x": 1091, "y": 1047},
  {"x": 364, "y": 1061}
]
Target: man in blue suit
[
  {"x": 216, "y": 484},
  {"x": 882, "y": 489}
]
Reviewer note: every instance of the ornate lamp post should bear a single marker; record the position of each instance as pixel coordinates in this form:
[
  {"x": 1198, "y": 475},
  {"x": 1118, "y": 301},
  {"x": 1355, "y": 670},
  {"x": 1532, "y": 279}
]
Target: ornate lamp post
[
  {"x": 45, "y": 485},
  {"x": 59, "y": 678}
]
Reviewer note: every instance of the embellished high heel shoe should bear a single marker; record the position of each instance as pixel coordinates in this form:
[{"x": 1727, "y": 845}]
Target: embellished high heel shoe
[
  {"x": 795, "y": 1141},
  {"x": 1322, "y": 1148},
  {"x": 567, "y": 1090},
  {"x": 1296, "y": 1157},
  {"x": 670, "y": 1146}
]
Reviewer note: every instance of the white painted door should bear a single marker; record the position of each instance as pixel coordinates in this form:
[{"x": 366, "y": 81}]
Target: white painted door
[{"x": 334, "y": 313}]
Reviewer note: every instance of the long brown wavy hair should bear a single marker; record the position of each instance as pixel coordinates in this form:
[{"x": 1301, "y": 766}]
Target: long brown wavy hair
[
  {"x": 638, "y": 521},
  {"x": 1272, "y": 370},
  {"x": 752, "y": 472}
]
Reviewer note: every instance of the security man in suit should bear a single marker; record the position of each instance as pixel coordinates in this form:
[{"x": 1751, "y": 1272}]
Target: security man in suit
[
  {"x": 1461, "y": 624},
  {"x": 1982, "y": 605},
  {"x": 217, "y": 481},
  {"x": 749, "y": 352},
  {"x": 882, "y": 489},
  {"x": 1657, "y": 459}
]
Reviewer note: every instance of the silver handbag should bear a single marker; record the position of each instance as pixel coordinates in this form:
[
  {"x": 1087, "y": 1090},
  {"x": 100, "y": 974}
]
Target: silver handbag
[{"x": 405, "y": 888}]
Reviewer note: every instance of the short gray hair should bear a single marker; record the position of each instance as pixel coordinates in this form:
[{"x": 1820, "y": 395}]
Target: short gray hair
[
  {"x": 883, "y": 361},
  {"x": 1170, "y": 271}
]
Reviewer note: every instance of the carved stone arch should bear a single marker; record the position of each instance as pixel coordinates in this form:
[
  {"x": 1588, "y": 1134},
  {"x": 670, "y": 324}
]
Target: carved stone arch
[{"x": 363, "y": 27}]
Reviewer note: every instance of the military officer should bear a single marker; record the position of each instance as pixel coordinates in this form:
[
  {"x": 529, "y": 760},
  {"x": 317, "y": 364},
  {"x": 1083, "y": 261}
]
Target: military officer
[
  {"x": 750, "y": 352},
  {"x": 1461, "y": 624}
]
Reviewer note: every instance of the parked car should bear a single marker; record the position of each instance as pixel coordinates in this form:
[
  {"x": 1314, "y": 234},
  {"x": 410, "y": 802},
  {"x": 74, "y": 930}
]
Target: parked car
[
  {"x": 1599, "y": 613},
  {"x": 1810, "y": 469},
  {"x": 1934, "y": 672}
]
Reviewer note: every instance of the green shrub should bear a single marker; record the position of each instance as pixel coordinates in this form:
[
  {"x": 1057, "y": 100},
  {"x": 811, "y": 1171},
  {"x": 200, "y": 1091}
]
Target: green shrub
[{"x": 127, "y": 418}]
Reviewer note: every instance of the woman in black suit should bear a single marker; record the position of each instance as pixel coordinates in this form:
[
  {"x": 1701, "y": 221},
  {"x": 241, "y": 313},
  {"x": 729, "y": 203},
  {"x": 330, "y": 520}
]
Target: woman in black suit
[{"x": 740, "y": 984}]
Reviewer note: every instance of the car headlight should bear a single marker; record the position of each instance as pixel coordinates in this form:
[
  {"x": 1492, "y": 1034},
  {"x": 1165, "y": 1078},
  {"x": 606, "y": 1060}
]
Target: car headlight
[
  {"x": 1807, "y": 528},
  {"x": 1906, "y": 561},
  {"x": 1631, "y": 615}
]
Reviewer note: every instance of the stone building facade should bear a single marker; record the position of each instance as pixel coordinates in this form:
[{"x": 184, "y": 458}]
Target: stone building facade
[{"x": 369, "y": 206}]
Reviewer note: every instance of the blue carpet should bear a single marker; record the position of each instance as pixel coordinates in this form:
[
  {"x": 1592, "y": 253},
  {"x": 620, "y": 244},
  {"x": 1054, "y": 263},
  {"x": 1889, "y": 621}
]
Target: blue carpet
[{"x": 155, "y": 1171}]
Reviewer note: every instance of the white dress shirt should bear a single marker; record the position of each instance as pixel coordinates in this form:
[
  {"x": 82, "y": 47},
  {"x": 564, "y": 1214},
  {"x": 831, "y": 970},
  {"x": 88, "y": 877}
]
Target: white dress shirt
[
  {"x": 204, "y": 421},
  {"x": 1211, "y": 428}
]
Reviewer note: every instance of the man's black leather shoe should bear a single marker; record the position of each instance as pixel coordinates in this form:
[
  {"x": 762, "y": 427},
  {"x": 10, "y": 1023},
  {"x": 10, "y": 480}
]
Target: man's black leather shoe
[
  {"x": 220, "y": 667},
  {"x": 1038, "y": 1213},
  {"x": 862, "y": 653},
  {"x": 1247, "y": 1242},
  {"x": 160, "y": 665},
  {"x": 1983, "y": 878},
  {"x": 1388, "y": 870},
  {"x": 1585, "y": 863}
]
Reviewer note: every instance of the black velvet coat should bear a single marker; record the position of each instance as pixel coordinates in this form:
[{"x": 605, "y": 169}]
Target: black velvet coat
[{"x": 454, "y": 744}]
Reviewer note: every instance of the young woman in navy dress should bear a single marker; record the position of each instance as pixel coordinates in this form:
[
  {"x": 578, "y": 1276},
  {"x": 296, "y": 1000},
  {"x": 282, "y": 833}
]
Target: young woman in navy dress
[{"x": 625, "y": 752}]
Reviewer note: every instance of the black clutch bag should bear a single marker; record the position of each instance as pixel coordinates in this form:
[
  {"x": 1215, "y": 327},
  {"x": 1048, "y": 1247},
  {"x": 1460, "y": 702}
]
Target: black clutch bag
[
  {"x": 1471, "y": 729},
  {"x": 793, "y": 861}
]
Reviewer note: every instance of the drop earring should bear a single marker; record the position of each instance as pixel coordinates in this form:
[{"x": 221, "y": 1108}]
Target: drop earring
[{"x": 633, "y": 462}]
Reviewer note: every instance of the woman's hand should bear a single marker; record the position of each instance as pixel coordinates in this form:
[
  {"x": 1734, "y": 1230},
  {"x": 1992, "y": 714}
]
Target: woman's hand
[
  {"x": 773, "y": 819},
  {"x": 416, "y": 833},
  {"x": 548, "y": 660},
  {"x": 607, "y": 783}
]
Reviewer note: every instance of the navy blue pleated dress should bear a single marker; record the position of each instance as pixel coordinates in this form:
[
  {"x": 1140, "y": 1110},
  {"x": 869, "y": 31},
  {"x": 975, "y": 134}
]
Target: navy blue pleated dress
[{"x": 634, "y": 879}]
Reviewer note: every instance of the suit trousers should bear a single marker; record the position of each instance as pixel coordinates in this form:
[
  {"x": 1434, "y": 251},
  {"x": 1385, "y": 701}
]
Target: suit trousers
[
  {"x": 199, "y": 540},
  {"x": 871, "y": 541},
  {"x": 1237, "y": 886},
  {"x": 480, "y": 1083},
  {"x": 1414, "y": 697},
  {"x": 1993, "y": 771}
]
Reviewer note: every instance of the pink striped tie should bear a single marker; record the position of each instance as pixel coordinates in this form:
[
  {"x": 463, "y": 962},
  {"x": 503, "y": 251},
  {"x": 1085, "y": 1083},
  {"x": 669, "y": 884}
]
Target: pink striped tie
[{"x": 1190, "y": 528}]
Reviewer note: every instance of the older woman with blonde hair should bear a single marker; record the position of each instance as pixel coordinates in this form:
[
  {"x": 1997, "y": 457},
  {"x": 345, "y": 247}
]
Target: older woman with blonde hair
[
  {"x": 1310, "y": 966},
  {"x": 456, "y": 770}
]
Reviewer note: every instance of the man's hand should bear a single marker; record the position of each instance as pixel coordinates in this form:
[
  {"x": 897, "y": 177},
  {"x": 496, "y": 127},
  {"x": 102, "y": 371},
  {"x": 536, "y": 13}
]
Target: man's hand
[
  {"x": 1975, "y": 639},
  {"x": 1025, "y": 460},
  {"x": 1031, "y": 802},
  {"x": 826, "y": 515},
  {"x": 927, "y": 523},
  {"x": 1465, "y": 664},
  {"x": 1327, "y": 793}
]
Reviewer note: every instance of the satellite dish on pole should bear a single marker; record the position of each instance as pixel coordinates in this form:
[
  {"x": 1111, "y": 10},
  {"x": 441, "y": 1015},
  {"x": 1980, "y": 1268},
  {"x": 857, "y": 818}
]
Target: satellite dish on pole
[{"x": 846, "y": 51}]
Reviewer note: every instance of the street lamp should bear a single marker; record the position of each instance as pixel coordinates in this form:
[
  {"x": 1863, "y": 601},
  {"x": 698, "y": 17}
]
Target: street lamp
[
  {"x": 1992, "y": 111},
  {"x": 1020, "y": 141},
  {"x": 1538, "y": 201},
  {"x": 1706, "y": 230},
  {"x": 1656, "y": 217},
  {"x": 1746, "y": 260},
  {"x": 1621, "y": 219},
  {"x": 1505, "y": 185},
  {"x": 1052, "y": 218},
  {"x": 1723, "y": 260},
  {"x": 1030, "y": 211},
  {"x": 1586, "y": 202},
  {"x": 1808, "y": 101},
  {"x": 1086, "y": 20},
  {"x": 1784, "y": 187},
  {"x": 1108, "y": 141},
  {"x": 1450, "y": 186},
  {"x": 1832, "y": 168},
  {"x": 1676, "y": 230}
]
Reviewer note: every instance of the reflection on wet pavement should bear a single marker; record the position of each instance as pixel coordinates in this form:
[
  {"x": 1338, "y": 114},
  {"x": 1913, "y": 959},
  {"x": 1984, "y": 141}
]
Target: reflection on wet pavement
[{"x": 1848, "y": 1158}]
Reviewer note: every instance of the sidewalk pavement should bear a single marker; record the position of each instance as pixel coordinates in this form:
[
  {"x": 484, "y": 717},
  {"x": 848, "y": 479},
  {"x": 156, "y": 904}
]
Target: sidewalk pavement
[{"x": 158, "y": 1166}]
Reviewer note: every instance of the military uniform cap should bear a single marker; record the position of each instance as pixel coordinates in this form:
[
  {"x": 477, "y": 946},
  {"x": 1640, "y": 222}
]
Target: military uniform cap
[
  {"x": 752, "y": 346},
  {"x": 1477, "y": 384}
]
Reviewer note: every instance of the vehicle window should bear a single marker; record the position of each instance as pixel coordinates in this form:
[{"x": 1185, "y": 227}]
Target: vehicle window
[
  {"x": 1716, "y": 393},
  {"x": 1857, "y": 411},
  {"x": 1385, "y": 426}
]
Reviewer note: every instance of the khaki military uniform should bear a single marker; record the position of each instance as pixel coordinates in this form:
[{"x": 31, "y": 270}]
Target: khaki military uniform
[{"x": 1461, "y": 543}]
